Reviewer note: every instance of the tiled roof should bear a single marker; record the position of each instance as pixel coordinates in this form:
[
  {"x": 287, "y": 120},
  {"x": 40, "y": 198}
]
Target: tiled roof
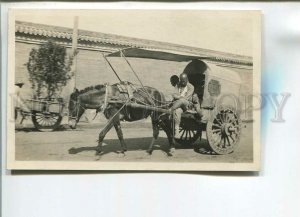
[{"x": 117, "y": 40}]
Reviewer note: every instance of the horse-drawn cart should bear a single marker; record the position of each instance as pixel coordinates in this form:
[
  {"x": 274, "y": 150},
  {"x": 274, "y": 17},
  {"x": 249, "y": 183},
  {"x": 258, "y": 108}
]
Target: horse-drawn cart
[
  {"x": 218, "y": 90},
  {"x": 46, "y": 115}
]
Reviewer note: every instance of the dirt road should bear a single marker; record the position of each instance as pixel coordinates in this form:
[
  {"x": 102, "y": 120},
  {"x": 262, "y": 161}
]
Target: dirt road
[{"x": 79, "y": 145}]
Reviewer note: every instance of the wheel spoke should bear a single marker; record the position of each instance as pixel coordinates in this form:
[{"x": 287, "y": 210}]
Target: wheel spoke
[
  {"x": 233, "y": 139},
  {"x": 182, "y": 134},
  {"x": 42, "y": 121},
  {"x": 224, "y": 140},
  {"x": 186, "y": 133},
  {"x": 38, "y": 117},
  {"x": 233, "y": 120},
  {"x": 222, "y": 117},
  {"x": 46, "y": 122},
  {"x": 50, "y": 122},
  {"x": 217, "y": 126},
  {"x": 53, "y": 120},
  {"x": 218, "y": 121},
  {"x": 230, "y": 117},
  {"x": 216, "y": 130},
  {"x": 227, "y": 117},
  {"x": 228, "y": 140},
  {"x": 219, "y": 140}
]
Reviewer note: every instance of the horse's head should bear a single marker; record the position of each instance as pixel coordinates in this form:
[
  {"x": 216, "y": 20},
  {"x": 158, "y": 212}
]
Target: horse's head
[{"x": 75, "y": 109}]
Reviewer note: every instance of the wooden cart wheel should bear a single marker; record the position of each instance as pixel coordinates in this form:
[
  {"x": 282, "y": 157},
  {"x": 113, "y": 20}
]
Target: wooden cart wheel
[
  {"x": 223, "y": 131},
  {"x": 189, "y": 130},
  {"x": 46, "y": 121}
]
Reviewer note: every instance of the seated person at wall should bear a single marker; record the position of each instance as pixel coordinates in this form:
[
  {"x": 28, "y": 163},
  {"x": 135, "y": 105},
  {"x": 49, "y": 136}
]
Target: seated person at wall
[{"x": 184, "y": 97}]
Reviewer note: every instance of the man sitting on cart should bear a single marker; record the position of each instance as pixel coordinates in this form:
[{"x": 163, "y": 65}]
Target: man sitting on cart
[{"x": 184, "y": 98}]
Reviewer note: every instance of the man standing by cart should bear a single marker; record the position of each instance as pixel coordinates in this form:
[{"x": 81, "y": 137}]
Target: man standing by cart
[{"x": 184, "y": 98}]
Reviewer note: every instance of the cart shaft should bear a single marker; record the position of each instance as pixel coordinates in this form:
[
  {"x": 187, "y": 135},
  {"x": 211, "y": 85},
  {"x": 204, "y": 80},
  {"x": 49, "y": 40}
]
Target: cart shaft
[{"x": 147, "y": 107}]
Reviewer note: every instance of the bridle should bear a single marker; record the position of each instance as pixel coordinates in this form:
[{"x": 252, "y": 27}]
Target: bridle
[{"x": 77, "y": 107}]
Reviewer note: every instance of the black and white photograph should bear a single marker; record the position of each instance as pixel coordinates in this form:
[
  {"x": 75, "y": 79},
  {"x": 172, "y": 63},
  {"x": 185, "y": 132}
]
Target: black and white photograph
[{"x": 169, "y": 90}]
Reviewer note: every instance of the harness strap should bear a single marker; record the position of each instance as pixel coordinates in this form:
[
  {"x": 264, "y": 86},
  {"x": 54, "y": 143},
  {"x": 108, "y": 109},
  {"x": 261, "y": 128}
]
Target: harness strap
[
  {"x": 106, "y": 96},
  {"x": 105, "y": 101},
  {"x": 150, "y": 98},
  {"x": 78, "y": 105}
]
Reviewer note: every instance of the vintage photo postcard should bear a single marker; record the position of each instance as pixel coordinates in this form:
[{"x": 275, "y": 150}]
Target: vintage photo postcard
[{"x": 169, "y": 90}]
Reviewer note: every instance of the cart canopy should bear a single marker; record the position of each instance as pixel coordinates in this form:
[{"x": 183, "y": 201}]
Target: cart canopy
[
  {"x": 156, "y": 54},
  {"x": 223, "y": 73},
  {"x": 196, "y": 68}
]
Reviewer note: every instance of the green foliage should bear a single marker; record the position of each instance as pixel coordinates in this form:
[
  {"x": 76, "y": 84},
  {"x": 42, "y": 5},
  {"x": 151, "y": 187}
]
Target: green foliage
[{"x": 49, "y": 69}]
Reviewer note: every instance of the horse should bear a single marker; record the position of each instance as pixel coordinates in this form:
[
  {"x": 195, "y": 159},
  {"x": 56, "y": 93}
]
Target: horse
[{"x": 96, "y": 98}]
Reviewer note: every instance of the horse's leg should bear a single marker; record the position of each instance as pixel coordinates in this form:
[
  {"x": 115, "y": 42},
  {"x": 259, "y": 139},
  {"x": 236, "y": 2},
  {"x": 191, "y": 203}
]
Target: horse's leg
[
  {"x": 102, "y": 135},
  {"x": 155, "y": 127},
  {"x": 170, "y": 136},
  {"x": 112, "y": 116},
  {"x": 117, "y": 126},
  {"x": 167, "y": 127},
  {"x": 171, "y": 127}
]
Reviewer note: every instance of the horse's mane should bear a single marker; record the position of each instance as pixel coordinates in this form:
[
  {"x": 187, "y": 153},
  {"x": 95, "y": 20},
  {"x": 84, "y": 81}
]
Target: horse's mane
[{"x": 96, "y": 87}]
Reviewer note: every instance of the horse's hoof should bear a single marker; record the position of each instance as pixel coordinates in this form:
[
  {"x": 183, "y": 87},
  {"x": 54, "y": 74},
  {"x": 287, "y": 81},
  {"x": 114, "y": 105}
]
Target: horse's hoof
[
  {"x": 172, "y": 150},
  {"x": 98, "y": 153},
  {"x": 149, "y": 152},
  {"x": 147, "y": 155},
  {"x": 121, "y": 154}
]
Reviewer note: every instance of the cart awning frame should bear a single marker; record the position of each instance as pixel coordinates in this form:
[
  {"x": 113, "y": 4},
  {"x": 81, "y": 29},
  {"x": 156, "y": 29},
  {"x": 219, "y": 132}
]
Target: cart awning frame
[{"x": 156, "y": 54}]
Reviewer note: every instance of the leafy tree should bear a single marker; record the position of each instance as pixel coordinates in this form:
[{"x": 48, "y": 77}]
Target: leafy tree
[{"x": 49, "y": 69}]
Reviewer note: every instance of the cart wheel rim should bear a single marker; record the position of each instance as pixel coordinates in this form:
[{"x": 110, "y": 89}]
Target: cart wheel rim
[
  {"x": 223, "y": 131},
  {"x": 46, "y": 121}
]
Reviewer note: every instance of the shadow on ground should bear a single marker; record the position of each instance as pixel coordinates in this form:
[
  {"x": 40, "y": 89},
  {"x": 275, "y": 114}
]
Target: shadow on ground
[
  {"x": 33, "y": 129},
  {"x": 142, "y": 144}
]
